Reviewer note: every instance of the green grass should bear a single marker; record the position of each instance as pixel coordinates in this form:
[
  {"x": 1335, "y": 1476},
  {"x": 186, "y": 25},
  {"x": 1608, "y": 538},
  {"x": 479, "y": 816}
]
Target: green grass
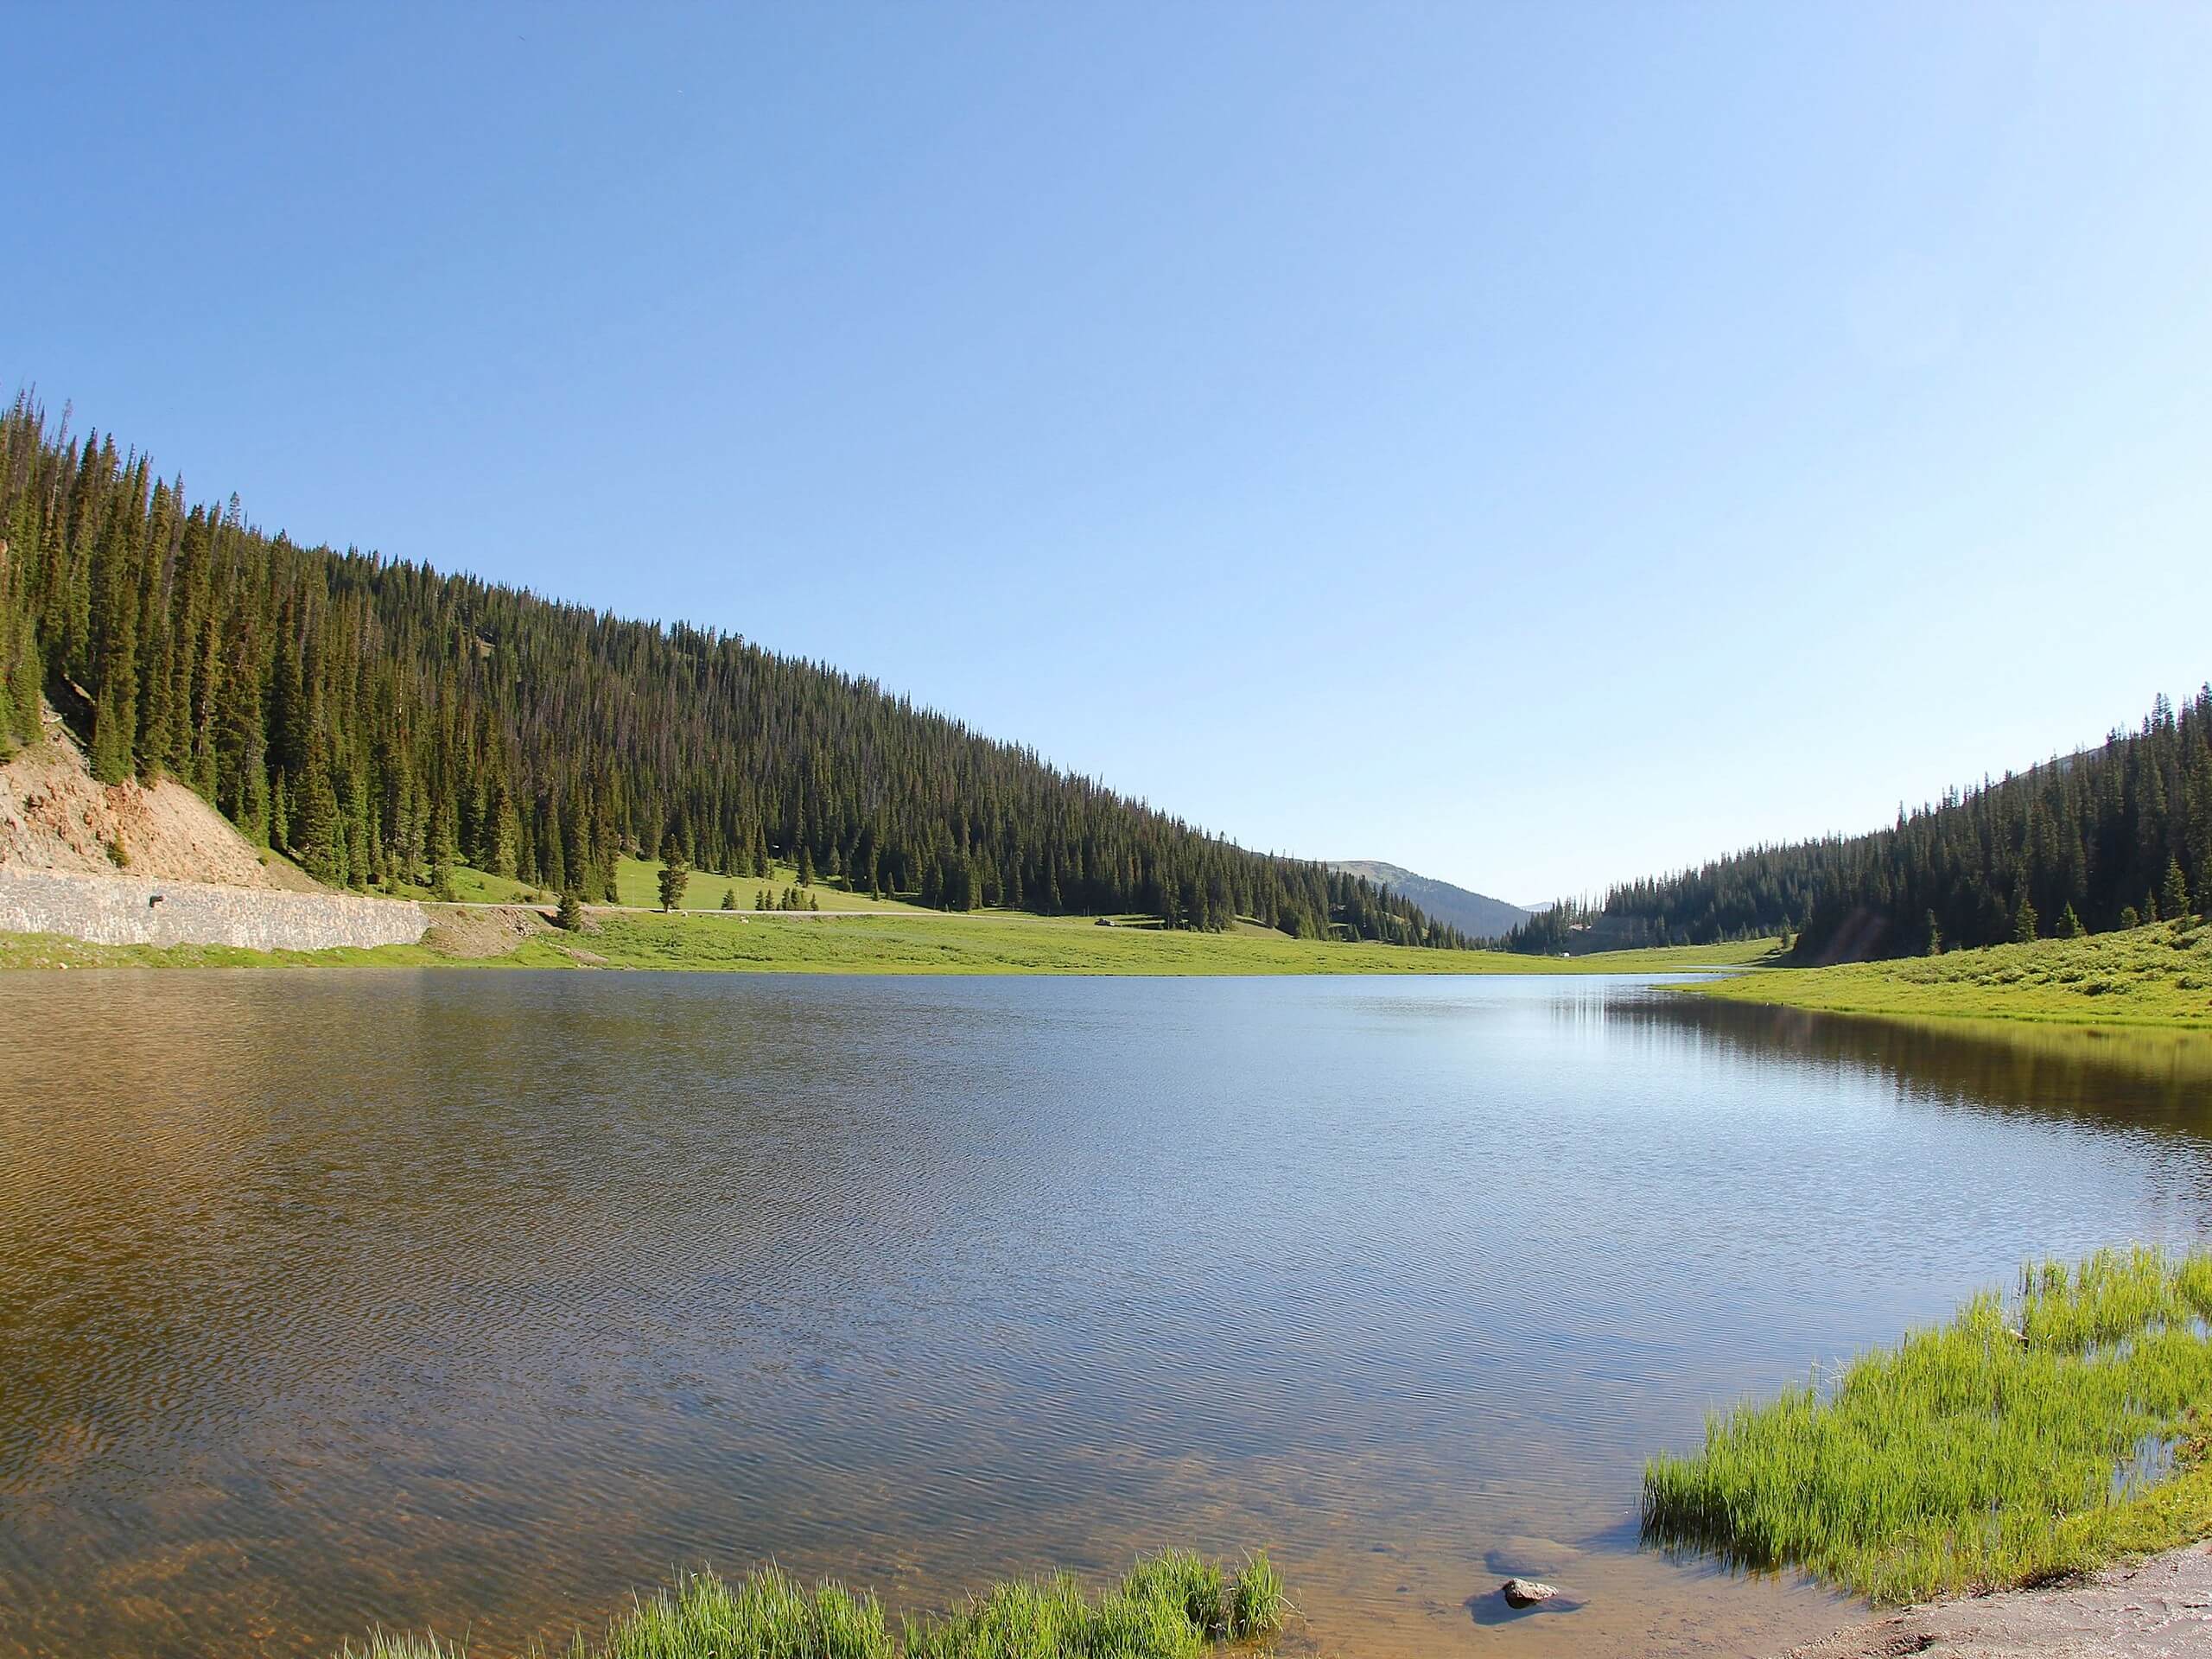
[
  {"x": 987, "y": 942},
  {"x": 2156, "y": 976},
  {"x": 473, "y": 886},
  {"x": 52, "y": 950},
  {"x": 637, "y": 881},
  {"x": 2004, "y": 1448},
  {"x": 1173, "y": 1605},
  {"x": 905, "y": 940},
  {"x": 917, "y": 943},
  {"x": 1672, "y": 958}
]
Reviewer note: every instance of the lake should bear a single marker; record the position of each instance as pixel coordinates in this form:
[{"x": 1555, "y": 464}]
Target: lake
[{"x": 333, "y": 1297}]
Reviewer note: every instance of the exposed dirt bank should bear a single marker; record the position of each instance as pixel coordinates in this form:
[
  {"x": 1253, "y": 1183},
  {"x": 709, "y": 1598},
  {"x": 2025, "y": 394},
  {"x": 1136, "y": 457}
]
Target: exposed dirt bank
[
  {"x": 2157, "y": 1610},
  {"x": 54, "y": 816},
  {"x": 479, "y": 931}
]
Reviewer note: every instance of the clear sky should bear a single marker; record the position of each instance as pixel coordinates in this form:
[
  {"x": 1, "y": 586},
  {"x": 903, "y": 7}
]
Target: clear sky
[{"x": 1536, "y": 445}]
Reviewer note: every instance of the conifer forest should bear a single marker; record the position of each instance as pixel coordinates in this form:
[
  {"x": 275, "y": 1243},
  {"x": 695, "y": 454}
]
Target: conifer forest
[
  {"x": 378, "y": 721},
  {"x": 2106, "y": 838}
]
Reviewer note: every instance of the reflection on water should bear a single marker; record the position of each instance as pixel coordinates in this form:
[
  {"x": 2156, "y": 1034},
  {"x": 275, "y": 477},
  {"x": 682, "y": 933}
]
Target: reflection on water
[
  {"x": 328, "y": 1298},
  {"x": 2131, "y": 1078}
]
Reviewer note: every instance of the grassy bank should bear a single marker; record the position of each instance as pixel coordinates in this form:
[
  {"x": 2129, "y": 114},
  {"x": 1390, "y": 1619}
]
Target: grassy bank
[
  {"x": 914, "y": 942},
  {"x": 2154, "y": 975},
  {"x": 1173, "y": 1605},
  {"x": 1668, "y": 958},
  {"x": 2027, "y": 1439}
]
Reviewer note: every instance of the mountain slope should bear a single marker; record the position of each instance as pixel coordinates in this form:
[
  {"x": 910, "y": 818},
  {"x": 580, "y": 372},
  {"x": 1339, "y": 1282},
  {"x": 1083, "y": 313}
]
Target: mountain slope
[
  {"x": 1476, "y": 915},
  {"x": 377, "y": 720}
]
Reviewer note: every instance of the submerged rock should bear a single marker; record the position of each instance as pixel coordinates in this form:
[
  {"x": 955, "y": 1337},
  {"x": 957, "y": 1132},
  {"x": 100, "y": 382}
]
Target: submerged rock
[{"x": 1527, "y": 1593}]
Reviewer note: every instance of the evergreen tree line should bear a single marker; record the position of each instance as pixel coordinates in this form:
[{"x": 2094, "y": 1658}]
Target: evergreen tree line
[
  {"x": 381, "y": 723},
  {"x": 2106, "y": 838}
]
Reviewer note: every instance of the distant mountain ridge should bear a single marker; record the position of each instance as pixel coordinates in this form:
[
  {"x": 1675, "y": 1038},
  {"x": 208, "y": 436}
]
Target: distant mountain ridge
[{"x": 1476, "y": 914}]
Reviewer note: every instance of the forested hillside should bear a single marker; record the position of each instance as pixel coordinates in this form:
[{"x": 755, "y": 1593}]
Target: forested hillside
[
  {"x": 378, "y": 720},
  {"x": 2103, "y": 839}
]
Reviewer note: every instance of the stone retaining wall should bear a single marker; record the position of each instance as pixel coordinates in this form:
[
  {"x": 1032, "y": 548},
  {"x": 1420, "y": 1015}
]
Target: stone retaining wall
[{"x": 124, "y": 910}]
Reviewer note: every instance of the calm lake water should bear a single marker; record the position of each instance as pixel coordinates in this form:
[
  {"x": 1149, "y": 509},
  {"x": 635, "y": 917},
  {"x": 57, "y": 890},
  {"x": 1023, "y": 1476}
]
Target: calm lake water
[{"x": 476, "y": 1299}]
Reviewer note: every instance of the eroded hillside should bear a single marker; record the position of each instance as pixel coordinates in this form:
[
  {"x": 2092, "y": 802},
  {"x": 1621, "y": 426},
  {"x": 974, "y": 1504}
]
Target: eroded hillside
[{"x": 55, "y": 816}]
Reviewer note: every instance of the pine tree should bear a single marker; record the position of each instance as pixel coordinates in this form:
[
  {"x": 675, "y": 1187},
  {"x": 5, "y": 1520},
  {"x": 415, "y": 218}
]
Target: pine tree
[
  {"x": 113, "y": 722},
  {"x": 674, "y": 876},
  {"x": 2069, "y": 925},
  {"x": 2173, "y": 893},
  {"x": 729, "y": 898},
  {"x": 571, "y": 912},
  {"x": 445, "y": 853},
  {"x": 317, "y": 836},
  {"x": 503, "y": 831},
  {"x": 2024, "y": 922}
]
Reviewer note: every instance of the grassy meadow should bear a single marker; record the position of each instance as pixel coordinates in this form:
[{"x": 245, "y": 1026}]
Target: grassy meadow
[
  {"x": 2159, "y": 975},
  {"x": 637, "y": 881},
  {"x": 924, "y": 942},
  {"x": 998, "y": 942},
  {"x": 1173, "y": 1605},
  {"x": 887, "y": 939},
  {"x": 1671, "y": 959},
  {"x": 2029, "y": 1438}
]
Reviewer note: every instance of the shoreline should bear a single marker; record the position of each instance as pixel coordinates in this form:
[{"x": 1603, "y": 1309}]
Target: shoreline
[
  {"x": 2143, "y": 1610},
  {"x": 1984, "y": 1476},
  {"x": 888, "y": 941},
  {"x": 2156, "y": 976}
]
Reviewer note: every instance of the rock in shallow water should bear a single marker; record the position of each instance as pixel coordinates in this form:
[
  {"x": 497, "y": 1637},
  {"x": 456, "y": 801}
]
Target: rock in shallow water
[{"x": 1527, "y": 1593}]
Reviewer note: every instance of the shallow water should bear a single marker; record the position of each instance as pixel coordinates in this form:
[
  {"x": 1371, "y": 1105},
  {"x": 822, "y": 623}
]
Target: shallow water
[{"x": 332, "y": 1298}]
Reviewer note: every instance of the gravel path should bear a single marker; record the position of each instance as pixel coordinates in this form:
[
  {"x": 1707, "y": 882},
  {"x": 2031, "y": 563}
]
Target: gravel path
[{"x": 2159, "y": 1611}]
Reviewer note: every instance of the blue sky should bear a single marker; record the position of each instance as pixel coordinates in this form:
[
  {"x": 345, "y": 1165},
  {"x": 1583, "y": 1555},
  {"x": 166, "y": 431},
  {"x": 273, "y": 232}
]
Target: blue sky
[{"x": 1534, "y": 445}]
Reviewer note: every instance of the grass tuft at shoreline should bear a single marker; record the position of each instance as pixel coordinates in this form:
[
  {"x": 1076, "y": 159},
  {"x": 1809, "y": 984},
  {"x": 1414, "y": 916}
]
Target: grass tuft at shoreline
[
  {"x": 1176, "y": 1604},
  {"x": 2026, "y": 1439}
]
